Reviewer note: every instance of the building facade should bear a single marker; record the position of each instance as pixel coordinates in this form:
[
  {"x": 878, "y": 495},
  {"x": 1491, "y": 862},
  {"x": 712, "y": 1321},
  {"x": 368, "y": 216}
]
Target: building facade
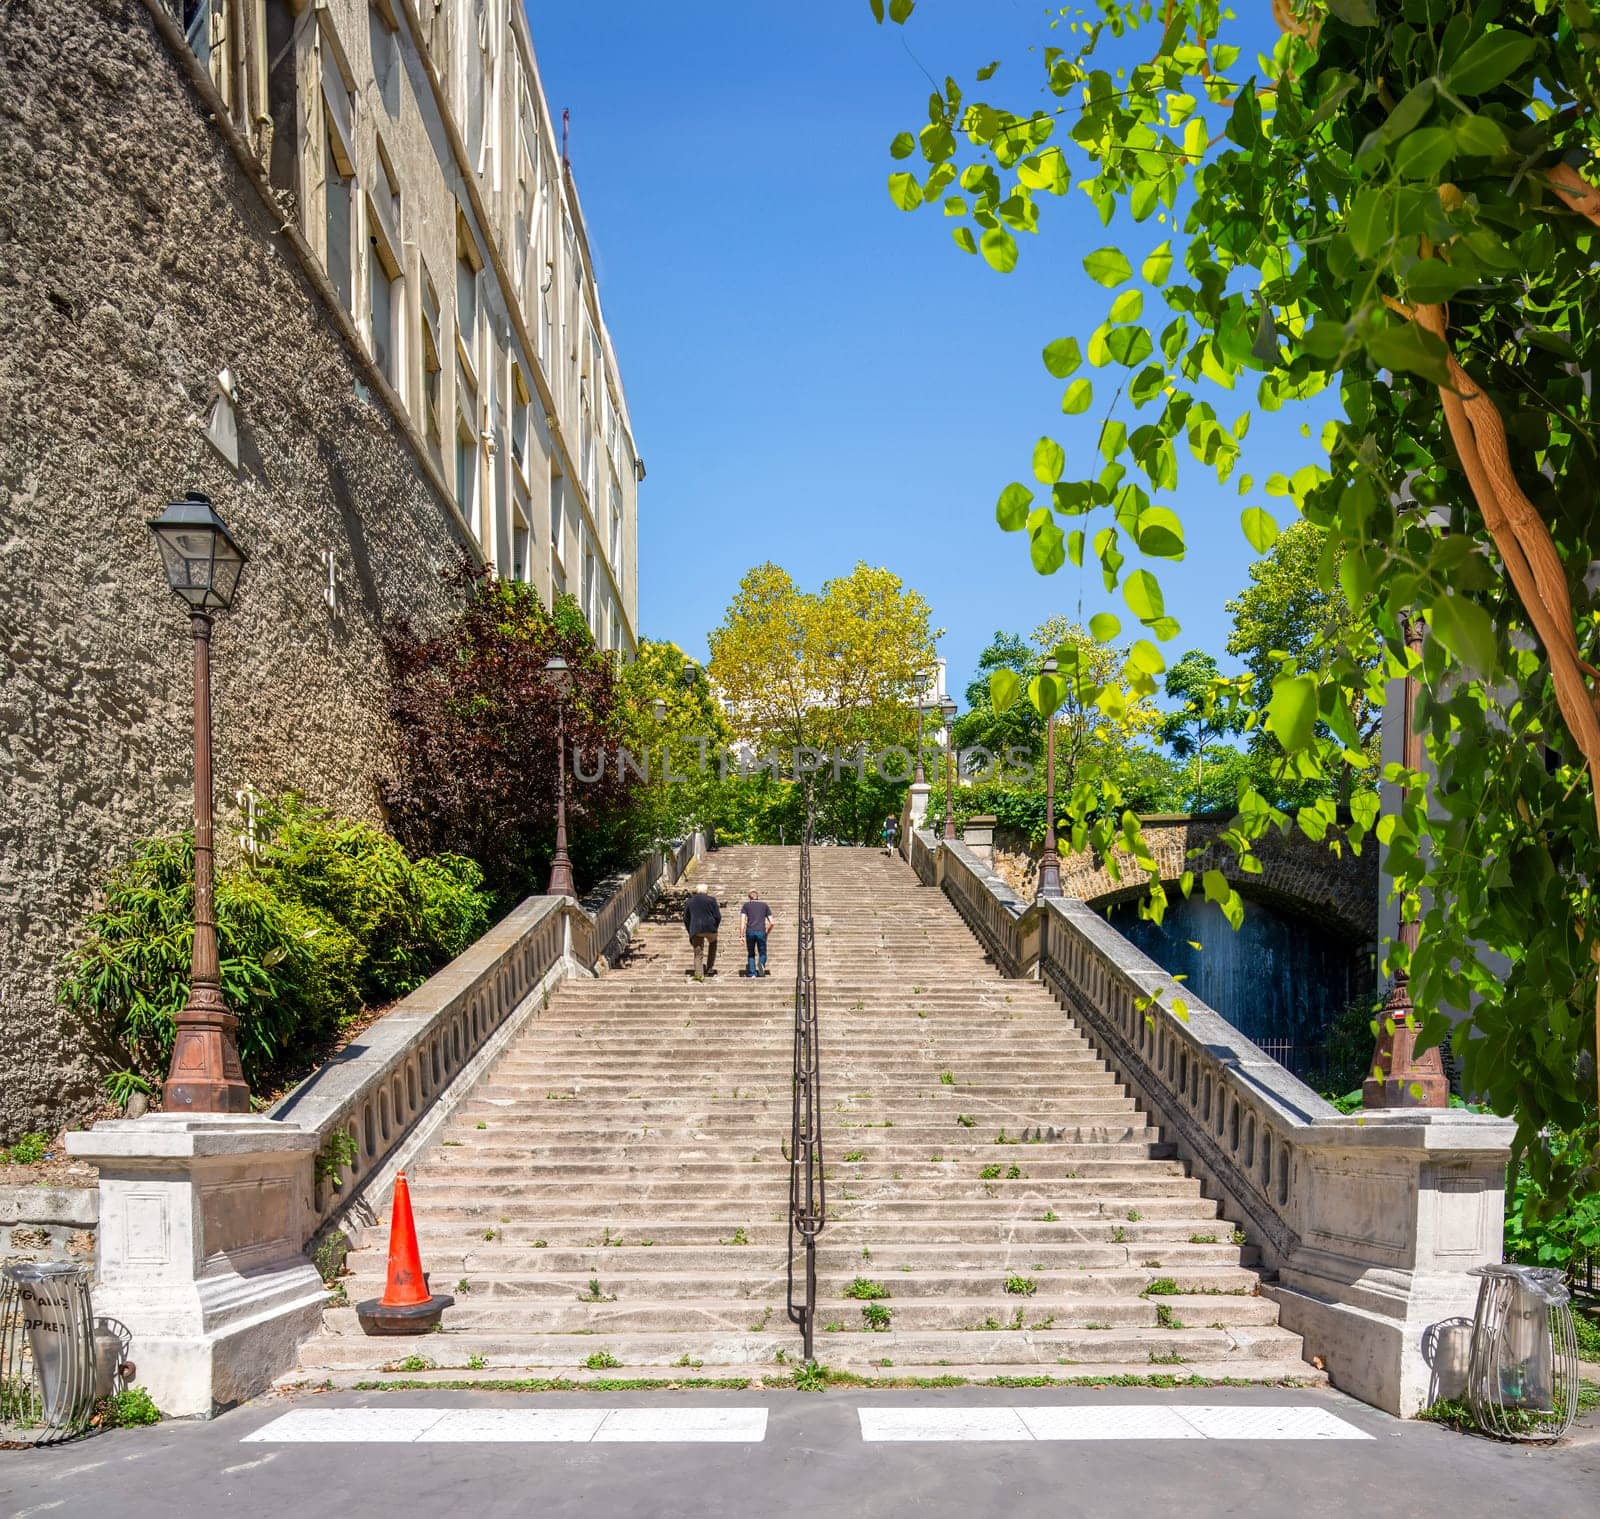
[
  {"x": 341, "y": 361},
  {"x": 413, "y": 147}
]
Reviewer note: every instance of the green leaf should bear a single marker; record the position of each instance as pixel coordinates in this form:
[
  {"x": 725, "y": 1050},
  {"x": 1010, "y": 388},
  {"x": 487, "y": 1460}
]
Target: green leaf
[
  {"x": 1144, "y": 655},
  {"x": 1108, "y": 266},
  {"x": 1215, "y": 885},
  {"x": 1103, "y": 627},
  {"x": 1292, "y": 712},
  {"x": 1004, "y": 688},
  {"x": 905, "y": 191},
  {"x": 1159, "y": 533},
  {"x": 1127, "y": 306},
  {"x": 1354, "y": 12},
  {"x": 965, "y": 241},
  {"x": 1130, "y": 346},
  {"x": 1260, "y": 528},
  {"x": 1406, "y": 346},
  {"x": 1011, "y": 510},
  {"x": 1047, "y": 546},
  {"x": 1371, "y": 221},
  {"x": 1480, "y": 137},
  {"x": 1431, "y": 280},
  {"x": 877, "y": 10},
  {"x": 1466, "y": 630},
  {"x": 999, "y": 247},
  {"x": 1049, "y": 459},
  {"x": 900, "y": 10},
  {"x": 1078, "y": 397},
  {"x": 1157, "y": 265},
  {"x": 1142, "y": 592},
  {"x": 1062, "y": 357},
  {"x": 1493, "y": 58},
  {"x": 987, "y": 71},
  {"x": 903, "y": 145},
  {"x": 1422, "y": 154}
]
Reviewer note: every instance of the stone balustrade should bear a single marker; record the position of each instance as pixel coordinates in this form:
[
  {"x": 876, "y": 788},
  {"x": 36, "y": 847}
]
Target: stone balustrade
[
  {"x": 205, "y": 1220},
  {"x": 1367, "y": 1224}
]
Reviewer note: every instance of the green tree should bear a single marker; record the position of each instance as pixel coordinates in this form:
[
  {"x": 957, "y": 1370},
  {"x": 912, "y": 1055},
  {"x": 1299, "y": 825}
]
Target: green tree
[
  {"x": 1287, "y": 617},
  {"x": 1205, "y": 713},
  {"x": 826, "y": 670},
  {"x": 1395, "y": 206}
]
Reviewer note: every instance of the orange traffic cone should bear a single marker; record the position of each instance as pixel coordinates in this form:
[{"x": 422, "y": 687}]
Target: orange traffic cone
[{"x": 406, "y": 1307}]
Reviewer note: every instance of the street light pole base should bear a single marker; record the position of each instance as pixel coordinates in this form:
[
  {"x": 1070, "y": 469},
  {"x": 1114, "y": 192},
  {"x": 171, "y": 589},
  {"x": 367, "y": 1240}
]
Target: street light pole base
[
  {"x": 1049, "y": 876},
  {"x": 561, "y": 882},
  {"x": 205, "y": 1076}
]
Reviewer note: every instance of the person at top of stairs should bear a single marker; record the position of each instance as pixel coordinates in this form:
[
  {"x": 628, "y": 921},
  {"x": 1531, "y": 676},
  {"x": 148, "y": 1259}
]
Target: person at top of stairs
[
  {"x": 757, "y": 919},
  {"x": 702, "y": 917}
]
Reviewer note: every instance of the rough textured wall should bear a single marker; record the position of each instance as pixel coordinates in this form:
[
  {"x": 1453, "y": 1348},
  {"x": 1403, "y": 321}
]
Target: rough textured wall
[
  {"x": 136, "y": 261},
  {"x": 48, "y": 1224},
  {"x": 1296, "y": 873}
]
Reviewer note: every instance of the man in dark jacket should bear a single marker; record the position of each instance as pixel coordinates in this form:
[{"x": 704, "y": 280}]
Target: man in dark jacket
[{"x": 703, "y": 917}]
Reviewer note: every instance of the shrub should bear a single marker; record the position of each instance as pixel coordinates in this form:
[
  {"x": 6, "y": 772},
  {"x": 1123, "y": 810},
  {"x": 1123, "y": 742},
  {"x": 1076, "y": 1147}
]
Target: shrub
[
  {"x": 329, "y": 915},
  {"x": 476, "y": 757},
  {"x": 132, "y": 1406},
  {"x": 1562, "y": 1234},
  {"x": 27, "y": 1151}
]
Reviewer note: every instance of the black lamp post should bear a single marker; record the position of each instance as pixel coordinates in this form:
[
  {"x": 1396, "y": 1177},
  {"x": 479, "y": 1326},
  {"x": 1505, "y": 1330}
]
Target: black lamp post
[
  {"x": 560, "y": 677},
  {"x": 947, "y": 710},
  {"x": 203, "y": 564},
  {"x": 1050, "y": 865}
]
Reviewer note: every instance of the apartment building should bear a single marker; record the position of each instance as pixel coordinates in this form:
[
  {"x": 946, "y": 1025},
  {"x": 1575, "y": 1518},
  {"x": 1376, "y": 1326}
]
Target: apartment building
[{"x": 411, "y": 143}]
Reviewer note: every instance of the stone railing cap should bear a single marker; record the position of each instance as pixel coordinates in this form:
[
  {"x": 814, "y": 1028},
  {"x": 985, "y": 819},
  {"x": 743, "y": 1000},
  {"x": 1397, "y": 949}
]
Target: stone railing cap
[
  {"x": 1436, "y": 1130},
  {"x": 180, "y": 1136}
]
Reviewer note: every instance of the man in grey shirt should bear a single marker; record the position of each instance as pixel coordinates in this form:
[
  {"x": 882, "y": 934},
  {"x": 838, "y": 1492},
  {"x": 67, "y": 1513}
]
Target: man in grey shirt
[{"x": 757, "y": 919}]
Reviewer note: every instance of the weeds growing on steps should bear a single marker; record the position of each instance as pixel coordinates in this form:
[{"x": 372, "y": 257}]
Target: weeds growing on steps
[
  {"x": 876, "y": 1316},
  {"x": 866, "y": 1290}
]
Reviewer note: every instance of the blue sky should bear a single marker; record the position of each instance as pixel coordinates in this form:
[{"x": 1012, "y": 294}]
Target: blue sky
[{"x": 814, "y": 376}]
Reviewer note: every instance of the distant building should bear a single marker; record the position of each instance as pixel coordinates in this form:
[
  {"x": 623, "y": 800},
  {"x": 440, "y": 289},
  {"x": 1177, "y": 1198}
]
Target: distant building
[{"x": 414, "y": 149}]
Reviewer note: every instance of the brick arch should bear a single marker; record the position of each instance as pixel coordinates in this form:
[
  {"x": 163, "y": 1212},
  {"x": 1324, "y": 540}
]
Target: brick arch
[{"x": 1298, "y": 875}]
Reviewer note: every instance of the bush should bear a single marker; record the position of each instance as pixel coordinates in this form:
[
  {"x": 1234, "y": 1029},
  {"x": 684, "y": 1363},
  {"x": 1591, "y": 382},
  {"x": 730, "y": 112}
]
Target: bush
[
  {"x": 132, "y": 1406},
  {"x": 329, "y": 916},
  {"x": 1561, "y": 1233},
  {"x": 27, "y": 1151}
]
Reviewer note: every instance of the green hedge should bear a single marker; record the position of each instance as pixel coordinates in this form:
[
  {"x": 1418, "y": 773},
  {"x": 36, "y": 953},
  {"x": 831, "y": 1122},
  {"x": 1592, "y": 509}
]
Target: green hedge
[{"x": 329, "y": 916}]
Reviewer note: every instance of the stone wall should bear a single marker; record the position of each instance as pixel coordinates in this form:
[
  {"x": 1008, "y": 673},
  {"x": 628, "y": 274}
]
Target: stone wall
[
  {"x": 1297, "y": 874},
  {"x": 48, "y": 1224},
  {"x": 136, "y": 262}
]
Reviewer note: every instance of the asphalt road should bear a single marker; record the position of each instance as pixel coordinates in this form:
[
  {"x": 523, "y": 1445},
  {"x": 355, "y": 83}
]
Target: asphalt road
[{"x": 812, "y": 1460}]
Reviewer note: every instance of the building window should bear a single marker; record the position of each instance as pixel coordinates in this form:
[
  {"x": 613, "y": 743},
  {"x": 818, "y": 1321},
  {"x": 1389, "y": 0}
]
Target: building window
[
  {"x": 340, "y": 208},
  {"x": 467, "y": 266},
  {"x": 432, "y": 367},
  {"x": 385, "y": 46},
  {"x": 616, "y": 533},
  {"x": 521, "y": 540},
  {"x": 558, "y": 523},
  {"x": 588, "y": 587},
  {"x": 467, "y": 472},
  {"x": 521, "y": 407},
  {"x": 385, "y": 288}
]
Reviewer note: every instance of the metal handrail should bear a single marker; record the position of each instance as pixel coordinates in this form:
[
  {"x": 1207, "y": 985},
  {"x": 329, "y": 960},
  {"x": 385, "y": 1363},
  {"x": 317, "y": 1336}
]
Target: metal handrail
[{"x": 808, "y": 1207}]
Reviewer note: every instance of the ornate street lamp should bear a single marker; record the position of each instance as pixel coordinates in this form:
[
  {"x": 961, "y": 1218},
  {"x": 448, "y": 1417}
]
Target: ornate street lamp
[
  {"x": 561, "y": 884},
  {"x": 947, "y": 710},
  {"x": 1050, "y": 865},
  {"x": 203, "y": 562}
]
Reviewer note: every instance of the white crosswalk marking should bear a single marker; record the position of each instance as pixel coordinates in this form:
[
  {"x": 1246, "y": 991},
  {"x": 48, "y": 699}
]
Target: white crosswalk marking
[
  {"x": 1107, "y": 1421},
  {"x": 411, "y": 1426}
]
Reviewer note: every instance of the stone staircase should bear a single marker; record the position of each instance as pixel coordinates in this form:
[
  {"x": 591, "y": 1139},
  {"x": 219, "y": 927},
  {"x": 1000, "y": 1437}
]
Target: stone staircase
[{"x": 612, "y": 1199}]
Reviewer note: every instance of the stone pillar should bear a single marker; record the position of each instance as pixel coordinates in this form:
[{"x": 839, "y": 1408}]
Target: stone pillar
[
  {"x": 978, "y": 836},
  {"x": 917, "y": 803},
  {"x": 203, "y": 1223},
  {"x": 1392, "y": 1210}
]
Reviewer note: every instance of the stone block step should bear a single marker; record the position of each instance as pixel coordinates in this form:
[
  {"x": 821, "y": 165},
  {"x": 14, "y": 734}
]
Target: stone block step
[
  {"x": 1160, "y": 1351},
  {"x": 496, "y": 1156}
]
